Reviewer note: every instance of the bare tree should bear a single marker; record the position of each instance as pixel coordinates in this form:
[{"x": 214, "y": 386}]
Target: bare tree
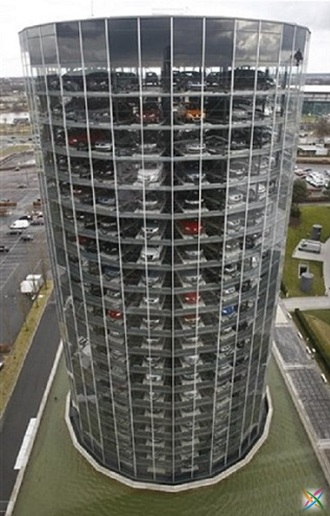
[{"x": 24, "y": 306}]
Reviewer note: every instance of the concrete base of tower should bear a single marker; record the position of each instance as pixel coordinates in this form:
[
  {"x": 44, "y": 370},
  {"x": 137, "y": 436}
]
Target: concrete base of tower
[{"x": 183, "y": 486}]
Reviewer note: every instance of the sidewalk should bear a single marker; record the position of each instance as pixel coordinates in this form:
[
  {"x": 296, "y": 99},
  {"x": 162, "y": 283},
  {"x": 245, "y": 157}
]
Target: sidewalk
[
  {"x": 326, "y": 266},
  {"x": 307, "y": 303}
]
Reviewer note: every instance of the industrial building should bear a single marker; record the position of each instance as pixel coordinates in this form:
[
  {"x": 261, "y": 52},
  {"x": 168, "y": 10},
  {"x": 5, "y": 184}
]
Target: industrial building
[{"x": 167, "y": 147}]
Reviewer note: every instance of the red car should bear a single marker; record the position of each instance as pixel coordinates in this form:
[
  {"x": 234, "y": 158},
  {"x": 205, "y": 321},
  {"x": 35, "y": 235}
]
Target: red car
[
  {"x": 80, "y": 140},
  {"x": 191, "y": 298},
  {"x": 191, "y": 227},
  {"x": 115, "y": 314}
]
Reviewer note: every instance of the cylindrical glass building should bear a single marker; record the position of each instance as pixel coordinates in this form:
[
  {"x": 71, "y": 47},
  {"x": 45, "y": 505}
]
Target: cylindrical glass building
[{"x": 167, "y": 149}]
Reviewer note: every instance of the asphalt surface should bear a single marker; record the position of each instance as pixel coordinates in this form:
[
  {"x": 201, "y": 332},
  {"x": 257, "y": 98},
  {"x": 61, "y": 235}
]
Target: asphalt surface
[
  {"x": 23, "y": 257},
  {"x": 25, "y": 400}
]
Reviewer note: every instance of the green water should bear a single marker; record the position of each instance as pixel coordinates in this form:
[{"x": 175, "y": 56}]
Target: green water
[{"x": 59, "y": 482}]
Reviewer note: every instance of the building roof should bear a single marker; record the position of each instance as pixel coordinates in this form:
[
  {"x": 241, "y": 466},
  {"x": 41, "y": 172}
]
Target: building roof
[{"x": 317, "y": 88}]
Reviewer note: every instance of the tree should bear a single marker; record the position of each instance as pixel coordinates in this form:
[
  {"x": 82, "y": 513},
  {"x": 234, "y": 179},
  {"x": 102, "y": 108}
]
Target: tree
[
  {"x": 299, "y": 192},
  {"x": 322, "y": 127}
]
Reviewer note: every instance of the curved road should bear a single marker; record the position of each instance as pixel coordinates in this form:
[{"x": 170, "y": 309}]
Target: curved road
[{"x": 25, "y": 400}]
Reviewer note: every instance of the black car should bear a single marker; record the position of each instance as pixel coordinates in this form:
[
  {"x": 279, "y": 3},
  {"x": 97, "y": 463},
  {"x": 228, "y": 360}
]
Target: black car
[
  {"x": 14, "y": 232},
  {"x": 191, "y": 172},
  {"x": 151, "y": 79},
  {"x": 192, "y": 201},
  {"x": 27, "y": 237},
  {"x": 97, "y": 81}
]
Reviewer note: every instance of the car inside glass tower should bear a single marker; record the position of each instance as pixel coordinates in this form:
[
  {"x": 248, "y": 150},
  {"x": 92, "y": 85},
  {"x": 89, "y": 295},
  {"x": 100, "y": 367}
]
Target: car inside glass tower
[{"x": 166, "y": 148}]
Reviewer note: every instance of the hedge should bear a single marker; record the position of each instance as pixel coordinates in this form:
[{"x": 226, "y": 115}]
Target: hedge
[{"x": 312, "y": 337}]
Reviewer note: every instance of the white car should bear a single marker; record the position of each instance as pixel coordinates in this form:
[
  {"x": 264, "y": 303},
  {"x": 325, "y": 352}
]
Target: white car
[
  {"x": 152, "y": 300},
  {"x": 151, "y": 229},
  {"x": 152, "y": 254},
  {"x": 103, "y": 146},
  {"x": 150, "y": 173}
]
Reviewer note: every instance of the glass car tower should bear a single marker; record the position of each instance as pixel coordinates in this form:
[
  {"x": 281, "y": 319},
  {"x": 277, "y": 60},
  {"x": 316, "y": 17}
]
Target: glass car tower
[{"x": 167, "y": 147}]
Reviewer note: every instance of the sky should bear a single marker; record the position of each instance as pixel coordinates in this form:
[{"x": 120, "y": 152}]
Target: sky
[{"x": 16, "y": 15}]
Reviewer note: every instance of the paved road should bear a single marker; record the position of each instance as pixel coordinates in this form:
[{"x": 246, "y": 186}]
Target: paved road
[
  {"x": 326, "y": 266},
  {"x": 307, "y": 303},
  {"x": 26, "y": 398}
]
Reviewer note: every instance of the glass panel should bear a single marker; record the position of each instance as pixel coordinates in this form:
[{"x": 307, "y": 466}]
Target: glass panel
[
  {"x": 299, "y": 45},
  {"x": 187, "y": 42},
  {"x": 247, "y": 25},
  {"x": 35, "y": 51},
  {"x": 269, "y": 48},
  {"x": 68, "y": 43},
  {"x": 47, "y": 30},
  {"x": 287, "y": 41},
  {"x": 93, "y": 39},
  {"x": 49, "y": 49},
  {"x": 155, "y": 39},
  {"x": 218, "y": 45},
  {"x": 271, "y": 27},
  {"x": 246, "y": 47},
  {"x": 123, "y": 43}
]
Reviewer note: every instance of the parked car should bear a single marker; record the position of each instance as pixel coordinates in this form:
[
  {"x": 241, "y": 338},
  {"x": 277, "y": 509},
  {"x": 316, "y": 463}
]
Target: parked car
[
  {"x": 190, "y": 227},
  {"x": 4, "y": 249},
  {"x": 116, "y": 315},
  {"x": 14, "y": 232},
  {"x": 193, "y": 253},
  {"x": 39, "y": 221},
  {"x": 229, "y": 311},
  {"x": 151, "y": 254},
  {"x": 152, "y": 202},
  {"x": 27, "y": 237},
  {"x": 192, "y": 201},
  {"x": 191, "y": 319},
  {"x": 191, "y": 276},
  {"x": 191, "y": 298},
  {"x": 103, "y": 146},
  {"x": 153, "y": 278},
  {"x": 151, "y": 113},
  {"x": 151, "y": 79},
  {"x": 190, "y": 172},
  {"x": 151, "y": 229},
  {"x": 190, "y": 112},
  {"x": 150, "y": 173},
  {"x": 152, "y": 300}
]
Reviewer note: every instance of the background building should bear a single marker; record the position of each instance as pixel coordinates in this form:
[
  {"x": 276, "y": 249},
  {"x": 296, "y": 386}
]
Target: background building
[
  {"x": 316, "y": 100},
  {"x": 167, "y": 147}
]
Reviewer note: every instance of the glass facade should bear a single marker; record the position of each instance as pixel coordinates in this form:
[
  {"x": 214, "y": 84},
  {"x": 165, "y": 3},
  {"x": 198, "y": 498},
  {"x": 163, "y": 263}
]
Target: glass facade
[{"x": 167, "y": 150}]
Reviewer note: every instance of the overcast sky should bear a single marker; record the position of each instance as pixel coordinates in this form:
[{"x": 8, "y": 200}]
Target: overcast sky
[{"x": 15, "y": 15}]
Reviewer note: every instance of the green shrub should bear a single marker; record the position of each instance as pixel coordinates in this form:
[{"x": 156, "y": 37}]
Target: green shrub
[{"x": 312, "y": 337}]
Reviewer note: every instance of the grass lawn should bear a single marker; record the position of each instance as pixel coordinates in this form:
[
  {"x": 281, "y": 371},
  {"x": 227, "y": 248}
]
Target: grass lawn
[
  {"x": 319, "y": 320},
  {"x": 14, "y": 360},
  {"x": 59, "y": 482},
  {"x": 309, "y": 215},
  {"x": 14, "y": 149}
]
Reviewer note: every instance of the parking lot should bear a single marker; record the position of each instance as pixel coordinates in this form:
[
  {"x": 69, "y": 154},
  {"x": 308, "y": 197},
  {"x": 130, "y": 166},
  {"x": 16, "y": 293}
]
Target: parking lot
[{"x": 23, "y": 257}]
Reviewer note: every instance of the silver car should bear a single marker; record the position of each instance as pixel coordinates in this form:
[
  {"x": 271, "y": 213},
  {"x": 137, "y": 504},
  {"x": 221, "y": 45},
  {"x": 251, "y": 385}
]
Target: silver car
[
  {"x": 151, "y": 254},
  {"x": 150, "y": 173}
]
